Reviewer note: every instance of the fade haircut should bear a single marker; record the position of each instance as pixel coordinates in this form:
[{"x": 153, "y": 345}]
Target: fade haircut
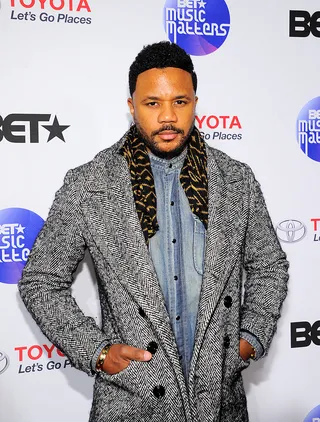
[{"x": 160, "y": 55}]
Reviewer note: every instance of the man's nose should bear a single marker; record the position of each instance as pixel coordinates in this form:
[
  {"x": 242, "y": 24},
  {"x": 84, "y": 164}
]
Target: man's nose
[{"x": 167, "y": 114}]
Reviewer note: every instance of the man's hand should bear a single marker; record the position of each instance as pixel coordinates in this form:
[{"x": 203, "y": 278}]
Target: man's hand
[
  {"x": 245, "y": 349},
  {"x": 120, "y": 355}
]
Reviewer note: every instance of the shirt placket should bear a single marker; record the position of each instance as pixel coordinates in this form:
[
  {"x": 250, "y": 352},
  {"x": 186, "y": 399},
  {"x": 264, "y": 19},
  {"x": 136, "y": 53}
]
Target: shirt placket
[{"x": 174, "y": 241}]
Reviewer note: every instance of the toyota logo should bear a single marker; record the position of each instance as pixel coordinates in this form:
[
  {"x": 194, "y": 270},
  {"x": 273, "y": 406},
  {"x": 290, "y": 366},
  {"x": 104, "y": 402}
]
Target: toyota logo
[
  {"x": 4, "y": 362},
  {"x": 291, "y": 231}
]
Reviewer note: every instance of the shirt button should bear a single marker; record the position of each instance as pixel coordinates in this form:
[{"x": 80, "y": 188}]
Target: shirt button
[
  {"x": 177, "y": 317},
  {"x": 172, "y": 203},
  {"x": 141, "y": 312},
  {"x": 226, "y": 342},
  {"x": 175, "y": 277},
  {"x": 228, "y": 301},
  {"x": 152, "y": 347},
  {"x": 174, "y": 241},
  {"x": 159, "y": 391}
]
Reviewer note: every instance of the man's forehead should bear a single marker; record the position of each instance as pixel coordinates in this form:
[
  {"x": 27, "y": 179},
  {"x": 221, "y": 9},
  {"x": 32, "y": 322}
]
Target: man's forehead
[
  {"x": 164, "y": 70},
  {"x": 162, "y": 77}
]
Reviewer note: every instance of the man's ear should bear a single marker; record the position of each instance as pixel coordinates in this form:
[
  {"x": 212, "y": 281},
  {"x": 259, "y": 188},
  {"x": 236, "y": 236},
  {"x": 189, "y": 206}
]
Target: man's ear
[{"x": 130, "y": 105}]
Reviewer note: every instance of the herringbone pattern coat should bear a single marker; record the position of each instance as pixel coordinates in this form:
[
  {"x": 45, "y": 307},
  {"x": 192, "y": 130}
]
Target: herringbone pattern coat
[{"x": 95, "y": 209}]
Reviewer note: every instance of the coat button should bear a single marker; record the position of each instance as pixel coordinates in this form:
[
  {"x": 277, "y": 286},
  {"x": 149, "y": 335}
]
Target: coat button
[
  {"x": 228, "y": 301},
  {"x": 159, "y": 391},
  {"x": 141, "y": 312},
  {"x": 152, "y": 347},
  {"x": 226, "y": 342}
]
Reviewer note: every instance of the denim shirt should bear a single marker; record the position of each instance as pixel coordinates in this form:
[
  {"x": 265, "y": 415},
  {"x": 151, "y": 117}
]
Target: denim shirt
[{"x": 177, "y": 251}]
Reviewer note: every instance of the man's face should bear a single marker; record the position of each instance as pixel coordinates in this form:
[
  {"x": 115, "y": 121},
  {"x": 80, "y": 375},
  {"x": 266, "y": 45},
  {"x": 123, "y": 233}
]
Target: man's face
[{"x": 163, "y": 108}]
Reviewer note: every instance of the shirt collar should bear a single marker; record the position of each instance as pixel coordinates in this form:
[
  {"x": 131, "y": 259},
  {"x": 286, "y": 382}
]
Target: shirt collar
[{"x": 172, "y": 164}]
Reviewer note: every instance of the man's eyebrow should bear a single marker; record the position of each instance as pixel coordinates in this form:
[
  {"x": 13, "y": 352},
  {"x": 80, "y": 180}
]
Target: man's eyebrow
[
  {"x": 181, "y": 97},
  {"x": 178, "y": 97},
  {"x": 151, "y": 98}
]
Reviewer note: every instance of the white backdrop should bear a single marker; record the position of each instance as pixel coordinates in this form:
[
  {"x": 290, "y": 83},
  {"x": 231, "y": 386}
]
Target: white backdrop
[{"x": 260, "y": 77}]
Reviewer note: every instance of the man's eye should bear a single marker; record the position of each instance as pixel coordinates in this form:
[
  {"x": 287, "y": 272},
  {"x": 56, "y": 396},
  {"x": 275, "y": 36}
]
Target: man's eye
[
  {"x": 180, "y": 102},
  {"x": 152, "y": 103}
]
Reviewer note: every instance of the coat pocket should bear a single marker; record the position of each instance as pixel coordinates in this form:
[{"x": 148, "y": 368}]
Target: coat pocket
[
  {"x": 112, "y": 403},
  {"x": 124, "y": 378}
]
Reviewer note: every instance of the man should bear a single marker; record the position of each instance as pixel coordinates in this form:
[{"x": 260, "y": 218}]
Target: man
[{"x": 170, "y": 224}]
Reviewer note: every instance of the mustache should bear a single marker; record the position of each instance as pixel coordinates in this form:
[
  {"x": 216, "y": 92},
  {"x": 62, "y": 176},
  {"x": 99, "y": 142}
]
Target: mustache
[{"x": 172, "y": 128}]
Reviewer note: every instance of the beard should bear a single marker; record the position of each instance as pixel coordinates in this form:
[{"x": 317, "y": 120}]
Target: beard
[{"x": 152, "y": 145}]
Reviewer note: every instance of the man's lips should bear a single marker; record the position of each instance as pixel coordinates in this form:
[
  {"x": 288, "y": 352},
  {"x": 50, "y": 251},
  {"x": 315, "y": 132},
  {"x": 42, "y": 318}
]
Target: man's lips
[{"x": 168, "y": 135}]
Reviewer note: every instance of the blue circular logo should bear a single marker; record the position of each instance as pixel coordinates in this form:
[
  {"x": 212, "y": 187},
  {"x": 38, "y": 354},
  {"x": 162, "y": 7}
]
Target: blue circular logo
[
  {"x": 199, "y": 27},
  {"x": 308, "y": 129},
  {"x": 314, "y": 415},
  {"x": 18, "y": 231}
]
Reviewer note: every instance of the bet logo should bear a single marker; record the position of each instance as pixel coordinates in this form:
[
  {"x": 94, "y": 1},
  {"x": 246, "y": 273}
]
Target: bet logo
[
  {"x": 23, "y": 128},
  {"x": 301, "y": 24},
  {"x": 303, "y": 334}
]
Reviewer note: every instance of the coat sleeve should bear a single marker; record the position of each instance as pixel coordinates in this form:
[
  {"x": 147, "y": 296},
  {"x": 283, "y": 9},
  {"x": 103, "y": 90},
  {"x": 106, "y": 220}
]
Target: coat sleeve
[
  {"x": 266, "y": 271},
  {"x": 45, "y": 287}
]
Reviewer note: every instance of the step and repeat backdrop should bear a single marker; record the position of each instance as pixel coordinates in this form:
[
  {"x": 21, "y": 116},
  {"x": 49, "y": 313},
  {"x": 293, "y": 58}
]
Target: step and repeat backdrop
[{"x": 63, "y": 92}]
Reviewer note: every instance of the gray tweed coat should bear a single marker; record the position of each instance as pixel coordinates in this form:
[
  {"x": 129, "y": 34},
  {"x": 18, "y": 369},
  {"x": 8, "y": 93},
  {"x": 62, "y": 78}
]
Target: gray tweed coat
[{"x": 95, "y": 209}]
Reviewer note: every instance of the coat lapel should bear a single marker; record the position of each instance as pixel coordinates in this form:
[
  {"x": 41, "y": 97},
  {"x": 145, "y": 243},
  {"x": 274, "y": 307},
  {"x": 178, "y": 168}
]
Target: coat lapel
[
  {"x": 111, "y": 218},
  {"x": 222, "y": 243}
]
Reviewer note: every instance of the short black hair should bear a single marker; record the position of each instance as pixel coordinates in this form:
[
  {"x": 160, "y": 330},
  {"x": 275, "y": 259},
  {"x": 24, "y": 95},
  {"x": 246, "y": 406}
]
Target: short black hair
[{"x": 161, "y": 55}]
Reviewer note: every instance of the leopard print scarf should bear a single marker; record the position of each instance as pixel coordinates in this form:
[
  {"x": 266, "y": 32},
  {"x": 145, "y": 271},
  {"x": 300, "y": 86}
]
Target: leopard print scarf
[{"x": 193, "y": 179}]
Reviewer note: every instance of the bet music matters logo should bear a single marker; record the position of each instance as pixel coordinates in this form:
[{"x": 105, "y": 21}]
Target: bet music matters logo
[
  {"x": 18, "y": 230},
  {"x": 199, "y": 27},
  {"x": 308, "y": 129},
  {"x": 314, "y": 415}
]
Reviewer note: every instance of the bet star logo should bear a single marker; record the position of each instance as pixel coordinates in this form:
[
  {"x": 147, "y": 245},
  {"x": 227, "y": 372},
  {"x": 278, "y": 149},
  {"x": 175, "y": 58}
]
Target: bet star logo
[
  {"x": 202, "y": 4},
  {"x": 13, "y": 131},
  {"x": 55, "y": 130}
]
